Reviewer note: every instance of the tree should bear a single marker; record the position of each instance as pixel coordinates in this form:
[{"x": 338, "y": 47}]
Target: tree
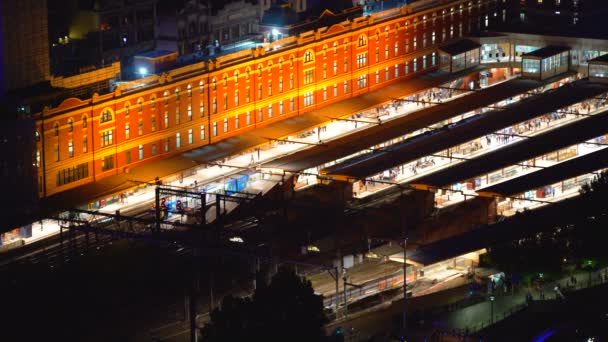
[{"x": 286, "y": 310}]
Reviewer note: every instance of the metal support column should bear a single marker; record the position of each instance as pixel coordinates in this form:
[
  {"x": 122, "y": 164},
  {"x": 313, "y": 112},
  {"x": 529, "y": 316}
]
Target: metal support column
[{"x": 157, "y": 209}]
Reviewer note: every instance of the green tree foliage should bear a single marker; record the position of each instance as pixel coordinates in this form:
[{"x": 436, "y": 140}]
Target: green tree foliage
[{"x": 286, "y": 310}]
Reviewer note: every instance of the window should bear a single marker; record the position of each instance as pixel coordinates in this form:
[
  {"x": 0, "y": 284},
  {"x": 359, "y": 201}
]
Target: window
[
  {"x": 127, "y": 131},
  {"x": 377, "y": 55},
  {"x": 167, "y": 145},
  {"x": 177, "y": 94},
  {"x": 107, "y": 163},
  {"x": 166, "y": 120},
  {"x": 140, "y": 105},
  {"x": 309, "y": 99},
  {"x": 70, "y": 125},
  {"x": 248, "y": 93},
  {"x": 84, "y": 121},
  {"x": 362, "y": 41},
  {"x": 202, "y": 132},
  {"x": 324, "y": 71},
  {"x": 345, "y": 65},
  {"x": 308, "y": 76},
  {"x": 214, "y": 105},
  {"x": 225, "y": 125},
  {"x": 433, "y": 59},
  {"x": 140, "y": 127},
  {"x": 56, "y": 152},
  {"x": 362, "y": 82},
  {"x": 141, "y": 152},
  {"x": 237, "y": 123},
  {"x": 396, "y": 70},
  {"x": 407, "y": 68},
  {"x": 152, "y": 102},
  {"x": 415, "y": 64},
  {"x": 225, "y": 101},
  {"x": 345, "y": 87},
  {"x": 107, "y": 138},
  {"x": 189, "y": 90},
  {"x": 213, "y": 84},
  {"x": 106, "y": 116},
  {"x": 415, "y": 43},
  {"x": 166, "y": 97},
  {"x": 396, "y": 49},
  {"x": 189, "y": 112},
  {"x": 127, "y": 109},
  {"x": 270, "y": 111},
  {"x": 423, "y": 62},
  {"x": 153, "y": 123},
  {"x": 433, "y": 37},
  {"x": 377, "y": 76},
  {"x": 335, "y": 47},
  {"x": 215, "y": 129},
  {"x": 386, "y": 75},
  {"x": 335, "y": 90},
  {"x": 291, "y": 81},
  {"x": 259, "y": 91},
  {"x": 324, "y": 93},
  {"x": 260, "y": 115},
  {"x": 361, "y": 60},
  {"x": 292, "y": 104},
  {"x": 177, "y": 116},
  {"x": 201, "y": 109},
  {"x": 178, "y": 140},
  {"x": 225, "y": 81},
  {"x": 72, "y": 174},
  {"x": 201, "y": 87},
  {"x": 281, "y": 108},
  {"x": 280, "y": 84},
  {"x": 190, "y": 136},
  {"x": 85, "y": 145},
  {"x": 308, "y": 56},
  {"x": 248, "y": 118},
  {"x": 269, "y": 88},
  {"x": 70, "y": 149},
  {"x": 335, "y": 68},
  {"x": 386, "y": 52},
  {"x": 154, "y": 149},
  {"x": 236, "y": 77}
]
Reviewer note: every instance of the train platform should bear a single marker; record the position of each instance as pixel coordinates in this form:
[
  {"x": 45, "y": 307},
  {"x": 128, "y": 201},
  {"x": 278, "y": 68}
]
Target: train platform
[
  {"x": 419, "y": 119},
  {"x": 373, "y": 163}
]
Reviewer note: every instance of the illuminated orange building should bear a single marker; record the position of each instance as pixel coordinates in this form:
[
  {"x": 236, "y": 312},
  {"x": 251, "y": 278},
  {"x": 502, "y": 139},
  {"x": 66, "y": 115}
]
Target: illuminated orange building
[{"x": 81, "y": 141}]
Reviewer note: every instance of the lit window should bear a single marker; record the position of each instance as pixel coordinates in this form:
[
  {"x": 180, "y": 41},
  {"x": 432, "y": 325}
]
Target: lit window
[
  {"x": 190, "y": 136},
  {"x": 309, "y": 99},
  {"x": 70, "y": 125},
  {"x": 141, "y": 152},
  {"x": 178, "y": 140},
  {"x": 226, "y": 125},
  {"x": 70, "y": 149}
]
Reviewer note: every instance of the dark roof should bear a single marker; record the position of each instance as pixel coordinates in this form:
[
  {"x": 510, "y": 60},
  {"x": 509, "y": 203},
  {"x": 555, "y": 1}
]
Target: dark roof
[
  {"x": 600, "y": 59},
  {"x": 547, "y": 51},
  {"x": 543, "y": 143},
  {"x": 568, "y": 169},
  {"x": 155, "y": 53},
  {"x": 460, "y": 46}
]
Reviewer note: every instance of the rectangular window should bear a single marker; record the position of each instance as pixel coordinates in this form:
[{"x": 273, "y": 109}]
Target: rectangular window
[
  {"x": 291, "y": 81},
  {"x": 177, "y": 116},
  {"x": 396, "y": 70},
  {"x": 237, "y": 123},
  {"x": 335, "y": 90},
  {"x": 396, "y": 49},
  {"x": 214, "y": 105},
  {"x": 292, "y": 104},
  {"x": 259, "y": 91},
  {"x": 107, "y": 163},
  {"x": 281, "y": 108},
  {"x": 377, "y": 76},
  {"x": 335, "y": 68},
  {"x": 415, "y": 64},
  {"x": 248, "y": 118},
  {"x": 225, "y": 125},
  {"x": 362, "y": 82},
  {"x": 270, "y": 111},
  {"x": 141, "y": 152},
  {"x": 154, "y": 149},
  {"x": 153, "y": 123},
  {"x": 127, "y": 131},
  {"x": 281, "y": 85},
  {"x": 128, "y": 156},
  {"x": 202, "y": 132},
  {"x": 377, "y": 55},
  {"x": 346, "y": 65},
  {"x": 189, "y": 113},
  {"x": 324, "y": 71},
  {"x": 325, "y": 94},
  {"x": 56, "y": 152},
  {"x": 248, "y": 93},
  {"x": 85, "y": 145},
  {"x": 386, "y": 75},
  {"x": 190, "y": 137},
  {"x": 260, "y": 115},
  {"x": 70, "y": 149},
  {"x": 386, "y": 52},
  {"x": 107, "y": 138},
  {"x": 407, "y": 68},
  {"x": 345, "y": 87},
  {"x": 269, "y": 88},
  {"x": 166, "y": 120},
  {"x": 236, "y": 97},
  {"x": 215, "y": 129},
  {"x": 225, "y": 101},
  {"x": 140, "y": 127},
  {"x": 167, "y": 145},
  {"x": 309, "y": 99},
  {"x": 178, "y": 140},
  {"x": 361, "y": 60},
  {"x": 309, "y": 76},
  {"x": 201, "y": 109}
]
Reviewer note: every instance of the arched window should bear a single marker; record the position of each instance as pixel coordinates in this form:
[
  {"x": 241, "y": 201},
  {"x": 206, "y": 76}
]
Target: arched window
[
  {"x": 308, "y": 56},
  {"x": 236, "y": 77},
  {"x": 166, "y": 97},
  {"x": 84, "y": 121},
  {"x": 189, "y": 90},
  {"x": 177, "y": 94},
  {"x": 225, "y": 80},
  {"x": 70, "y": 125},
  {"x": 56, "y": 129},
  {"x": 201, "y": 87},
  {"x": 362, "y": 41},
  {"x": 106, "y": 116},
  {"x": 140, "y": 105},
  {"x": 214, "y": 84}
]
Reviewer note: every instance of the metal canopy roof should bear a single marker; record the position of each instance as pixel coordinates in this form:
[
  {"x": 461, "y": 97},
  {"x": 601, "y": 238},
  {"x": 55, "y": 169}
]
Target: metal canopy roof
[
  {"x": 568, "y": 169},
  {"x": 545, "y": 52},
  {"x": 459, "y": 47}
]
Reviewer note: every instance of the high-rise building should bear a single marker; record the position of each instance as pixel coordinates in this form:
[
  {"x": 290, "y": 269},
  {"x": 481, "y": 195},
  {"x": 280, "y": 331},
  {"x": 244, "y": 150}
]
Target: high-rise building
[{"x": 24, "y": 47}]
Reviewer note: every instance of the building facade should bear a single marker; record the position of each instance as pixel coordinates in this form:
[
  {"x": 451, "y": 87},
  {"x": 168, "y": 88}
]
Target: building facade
[{"x": 82, "y": 141}]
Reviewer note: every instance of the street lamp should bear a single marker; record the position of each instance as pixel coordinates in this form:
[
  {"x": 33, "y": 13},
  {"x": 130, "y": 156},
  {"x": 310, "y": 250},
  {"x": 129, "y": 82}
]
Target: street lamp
[{"x": 491, "y": 309}]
